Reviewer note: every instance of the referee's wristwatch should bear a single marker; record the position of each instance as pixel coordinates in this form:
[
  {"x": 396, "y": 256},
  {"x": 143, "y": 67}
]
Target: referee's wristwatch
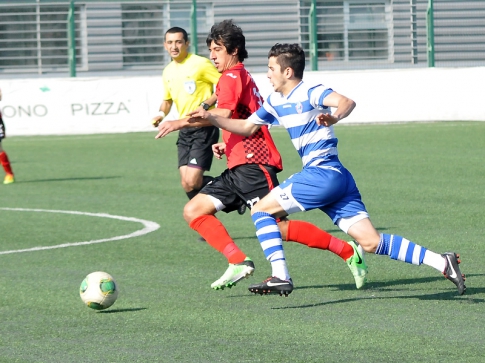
[{"x": 205, "y": 106}]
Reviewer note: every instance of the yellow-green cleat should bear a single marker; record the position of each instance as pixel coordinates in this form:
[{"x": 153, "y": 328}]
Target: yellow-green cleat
[
  {"x": 357, "y": 265},
  {"x": 233, "y": 274},
  {"x": 9, "y": 179}
]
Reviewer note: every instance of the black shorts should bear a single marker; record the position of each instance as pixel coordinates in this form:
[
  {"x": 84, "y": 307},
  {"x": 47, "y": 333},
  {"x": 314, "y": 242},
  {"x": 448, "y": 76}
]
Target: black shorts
[
  {"x": 243, "y": 184},
  {"x": 194, "y": 147},
  {"x": 2, "y": 128}
]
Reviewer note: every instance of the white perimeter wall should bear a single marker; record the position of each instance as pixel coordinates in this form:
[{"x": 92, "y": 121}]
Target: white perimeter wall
[{"x": 49, "y": 106}]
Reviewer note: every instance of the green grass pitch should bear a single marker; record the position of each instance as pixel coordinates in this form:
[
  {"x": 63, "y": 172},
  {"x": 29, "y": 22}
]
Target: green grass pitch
[{"x": 424, "y": 181}]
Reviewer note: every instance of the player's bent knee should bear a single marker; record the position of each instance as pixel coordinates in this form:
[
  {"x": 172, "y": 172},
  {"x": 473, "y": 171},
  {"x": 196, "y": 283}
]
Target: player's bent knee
[
  {"x": 200, "y": 205},
  {"x": 368, "y": 247},
  {"x": 364, "y": 233},
  {"x": 190, "y": 185},
  {"x": 368, "y": 241},
  {"x": 190, "y": 212}
]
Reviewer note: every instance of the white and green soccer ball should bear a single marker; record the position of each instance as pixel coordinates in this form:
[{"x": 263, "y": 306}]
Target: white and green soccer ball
[{"x": 99, "y": 290}]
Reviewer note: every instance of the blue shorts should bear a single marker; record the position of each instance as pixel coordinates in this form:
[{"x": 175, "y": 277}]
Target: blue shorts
[{"x": 331, "y": 189}]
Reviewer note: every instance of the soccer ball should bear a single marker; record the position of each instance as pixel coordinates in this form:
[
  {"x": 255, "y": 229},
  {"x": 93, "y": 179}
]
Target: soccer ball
[{"x": 99, "y": 290}]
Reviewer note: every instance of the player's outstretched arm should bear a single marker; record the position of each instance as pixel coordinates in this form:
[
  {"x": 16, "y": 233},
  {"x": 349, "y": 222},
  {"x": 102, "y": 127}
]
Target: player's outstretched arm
[
  {"x": 240, "y": 127},
  {"x": 166, "y": 127}
]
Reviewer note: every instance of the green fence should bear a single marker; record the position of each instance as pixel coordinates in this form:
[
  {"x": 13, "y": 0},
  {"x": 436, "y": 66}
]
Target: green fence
[{"x": 74, "y": 37}]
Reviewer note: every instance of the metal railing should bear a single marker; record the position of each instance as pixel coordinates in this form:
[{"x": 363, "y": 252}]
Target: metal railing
[{"x": 97, "y": 36}]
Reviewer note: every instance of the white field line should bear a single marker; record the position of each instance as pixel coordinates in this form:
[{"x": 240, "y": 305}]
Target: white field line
[{"x": 149, "y": 226}]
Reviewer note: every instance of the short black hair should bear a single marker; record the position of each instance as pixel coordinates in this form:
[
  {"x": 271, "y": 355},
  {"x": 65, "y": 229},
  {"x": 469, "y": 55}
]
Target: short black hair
[
  {"x": 289, "y": 55},
  {"x": 231, "y": 36},
  {"x": 176, "y": 29}
]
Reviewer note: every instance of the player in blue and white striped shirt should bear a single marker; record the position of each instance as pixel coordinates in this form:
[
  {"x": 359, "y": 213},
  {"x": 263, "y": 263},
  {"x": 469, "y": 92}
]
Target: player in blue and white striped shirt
[{"x": 303, "y": 108}]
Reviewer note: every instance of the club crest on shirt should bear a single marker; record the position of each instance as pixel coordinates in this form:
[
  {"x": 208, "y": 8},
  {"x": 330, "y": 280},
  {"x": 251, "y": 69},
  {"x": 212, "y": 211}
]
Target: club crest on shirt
[
  {"x": 299, "y": 107},
  {"x": 189, "y": 86}
]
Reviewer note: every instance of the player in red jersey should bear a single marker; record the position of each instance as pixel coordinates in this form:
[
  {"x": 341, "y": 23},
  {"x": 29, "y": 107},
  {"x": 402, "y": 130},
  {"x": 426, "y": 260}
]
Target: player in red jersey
[
  {"x": 9, "y": 178},
  {"x": 253, "y": 163}
]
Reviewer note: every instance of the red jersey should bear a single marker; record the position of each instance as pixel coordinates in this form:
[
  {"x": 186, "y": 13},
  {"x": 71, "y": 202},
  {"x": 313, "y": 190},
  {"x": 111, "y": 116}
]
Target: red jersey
[{"x": 237, "y": 91}]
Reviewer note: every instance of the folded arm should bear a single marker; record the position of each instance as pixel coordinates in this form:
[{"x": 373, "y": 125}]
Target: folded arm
[{"x": 344, "y": 107}]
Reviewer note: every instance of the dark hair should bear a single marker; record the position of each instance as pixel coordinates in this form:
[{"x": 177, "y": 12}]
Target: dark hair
[
  {"x": 176, "y": 29},
  {"x": 289, "y": 55},
  {"x": 231, "y": 36}
]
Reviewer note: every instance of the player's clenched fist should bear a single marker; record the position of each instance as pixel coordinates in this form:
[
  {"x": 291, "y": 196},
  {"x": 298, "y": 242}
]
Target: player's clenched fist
[
  {"x": 219, "y": 149},
  {"x": 156, "y": 121},
  {"x": 158, "y": 118}
]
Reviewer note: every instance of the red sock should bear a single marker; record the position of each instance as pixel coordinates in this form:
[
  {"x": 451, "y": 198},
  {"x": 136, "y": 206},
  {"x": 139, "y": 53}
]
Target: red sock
[
  {"x": 312, "y": 236},
  {"x": 216, "y": 236},
  {"x": 5, "y": 163}
]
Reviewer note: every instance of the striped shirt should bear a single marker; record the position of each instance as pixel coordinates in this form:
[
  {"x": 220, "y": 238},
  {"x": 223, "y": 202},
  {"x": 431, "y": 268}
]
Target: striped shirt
[{"x": 297, "y": 113}]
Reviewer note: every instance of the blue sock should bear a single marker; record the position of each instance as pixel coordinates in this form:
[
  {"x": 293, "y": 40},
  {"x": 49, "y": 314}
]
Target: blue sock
[{"x": 399, "y": 248}]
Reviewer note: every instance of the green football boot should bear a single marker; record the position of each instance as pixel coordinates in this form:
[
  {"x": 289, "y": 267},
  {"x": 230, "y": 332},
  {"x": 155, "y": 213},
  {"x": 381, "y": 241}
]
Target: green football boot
[
  {"x": 234, "y": 273},
  {"x": 357, "y": 265}
]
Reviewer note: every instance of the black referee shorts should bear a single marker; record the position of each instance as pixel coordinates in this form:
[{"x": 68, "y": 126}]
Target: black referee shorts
[
  {"x": 194, "y": 147},
  {"x": 2, "y": 128}
]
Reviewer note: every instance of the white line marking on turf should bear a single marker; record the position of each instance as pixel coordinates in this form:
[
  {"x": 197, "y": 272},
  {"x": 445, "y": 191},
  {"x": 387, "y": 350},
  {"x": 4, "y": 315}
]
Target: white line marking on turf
[{"x": 149, "y": 227}]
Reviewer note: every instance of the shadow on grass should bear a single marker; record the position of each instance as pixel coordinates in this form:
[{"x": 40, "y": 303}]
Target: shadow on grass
[
  {"x": 112, "y": 311},
  {"x": 439, "y": 296},
  {"x": 382, "y": 287},
  {"x": 247, "y": 237},
  {"x": 66, "y": 179}
]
